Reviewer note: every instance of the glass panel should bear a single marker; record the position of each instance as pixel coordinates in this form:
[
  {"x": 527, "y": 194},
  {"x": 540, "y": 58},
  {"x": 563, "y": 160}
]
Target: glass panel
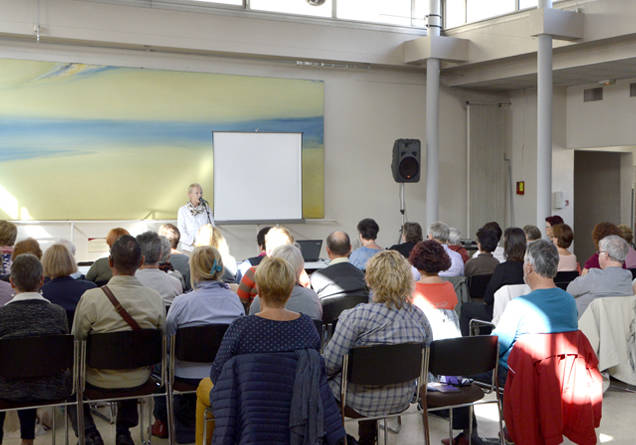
[
  {"x": 223, "y": 2},
  {"x": 292, "y": 7},
  {"x": 483, "y": 9},
  {"x": 420, "y": 11},
  {"x": 455, "y": 12},
  {"x": 394, "y": 12},
  {"x": 525, "y": 4}
]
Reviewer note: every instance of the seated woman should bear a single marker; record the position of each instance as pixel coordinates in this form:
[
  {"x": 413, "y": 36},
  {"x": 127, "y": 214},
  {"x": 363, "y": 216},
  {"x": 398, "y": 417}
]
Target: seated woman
[
  {"x": 628, "y": 236},
  {"x": 61, "y": 288},
  {"x": 29, "y": 314},
  {"x": 562, "y": 237},
  {"x": 208, "y": 235},
  {"x": 273, "y": 329},
  {"x": 368, "y": 231},
  {"x": 390, "y": 318},
  {"x": 211, "y": 302},
  {"x": 600, "y": 231}
]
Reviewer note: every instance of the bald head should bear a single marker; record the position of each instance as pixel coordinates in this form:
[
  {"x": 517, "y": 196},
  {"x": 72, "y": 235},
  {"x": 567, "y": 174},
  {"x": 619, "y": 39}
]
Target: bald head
[{"x": 338, "y": 245}]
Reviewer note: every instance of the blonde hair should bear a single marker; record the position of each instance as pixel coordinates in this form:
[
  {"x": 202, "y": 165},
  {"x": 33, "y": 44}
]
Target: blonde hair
[
  {"x": 388, "y": 275},
  {"x": 58, "y": 262},
  {"x": 28, "y": 245},
  {"x": 115, "y": 234},
  {"x": 194, "y": 185},
  {"x": 277, "y": 236},
  {"x": 206, "y": 264},
  {"x": 275, "y": 279},
  {"x": 8, "y": 233}
]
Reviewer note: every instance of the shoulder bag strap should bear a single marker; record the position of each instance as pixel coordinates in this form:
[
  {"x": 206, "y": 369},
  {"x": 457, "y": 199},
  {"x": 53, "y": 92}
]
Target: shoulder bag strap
[{"x": 120, "y": 310}]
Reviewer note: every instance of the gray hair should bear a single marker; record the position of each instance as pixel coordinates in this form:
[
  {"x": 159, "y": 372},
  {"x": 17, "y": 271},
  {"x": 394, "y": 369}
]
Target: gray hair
[
  {"x": 439, "y": 231},
  {"x": 26, "y": 272},
  {"x": 166, "y": 249},
  {"x": 292, "y": 255},
  {"x": 615, "y": 246},
  {"x": 150, "y": 244},
  {"x": 68, "y": 244},
  {"x": 454, "y": 236},
  {"x": 543, "y": 256}
]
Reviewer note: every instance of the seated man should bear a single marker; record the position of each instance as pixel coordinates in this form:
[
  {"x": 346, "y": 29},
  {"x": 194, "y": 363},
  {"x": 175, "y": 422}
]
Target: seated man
[
  {"x": 411, "y": 235},
  {"x": 340, "y": 278},
  {"x": 178, "y": 259},
  {"x": 439, "y": 232},
  {"x": 96, "y": 314},
  {"x": 498, "y": 253},
  {"x": 611, "y": 280},
  {"x": 484, "y": 263},
  {"x": 100, "y": 272},
  {"x": 150, "y": 275}
]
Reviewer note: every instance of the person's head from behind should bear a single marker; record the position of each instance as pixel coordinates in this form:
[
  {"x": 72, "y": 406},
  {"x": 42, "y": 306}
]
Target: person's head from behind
[
  {"x": 603, "y": 229},
  {"x": 293, "y": 256},
  {"x": 260, "y": 238},
  {"x": 439, "y": 231},
  {"x": 275, "y": 279},
  {"x": 540, "y": 264},
  {"x": 494, "y": 226},
  {"x": 275, "y": 237},
  {"x": 115, "y": 234},
  {"x": 514, "y": 244},
  {"x": 125, "y": 256},
  {"x": 58, "y": 262},
  {"x": 388, "y": 275},
  {"x": 411, "y": 232},
  {"x": 171, "y": 233},
  {"x": 612, "y": 251},
  {"x": 562, "y": 235},
  {"x": 551, "y": 221},
  {"x": 487, "y": 240},
  {"x": 166, "y": 249},
  {"x": 8, "y": 233},
  {"x": 206, "y": 264},
  {"x": 150, "y": 244},
  {"x": 626, "y": 233},
  {"x": 429, "y": 258},
  {"x": 28, "y": 245},
  {"x": 219, "y": 242},
  {"x": 454, "y": 237},
  {"x": 338, "y": 245},
  {"x": 26, "y": 273},
  {"x": 368, "y": 229},
  {"x": 195, "y": 191},
  {"x": 532, "y": 233}
]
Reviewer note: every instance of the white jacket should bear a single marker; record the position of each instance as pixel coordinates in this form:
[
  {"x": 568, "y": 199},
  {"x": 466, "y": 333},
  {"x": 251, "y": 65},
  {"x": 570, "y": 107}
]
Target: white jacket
[{"x": 188, "y": 226}]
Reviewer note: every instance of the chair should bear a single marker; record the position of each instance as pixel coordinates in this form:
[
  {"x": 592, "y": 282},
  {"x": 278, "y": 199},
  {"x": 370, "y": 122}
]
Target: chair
[
  {"x": 477, "y": 285},
  {"x": 460, "y": 284},
  {"x": 333, "y": 306},
  {"x": 39, "y": 357},
  {"x": 562, "y": 279},
  {"x": 375, "y": 366},
  {"x": 122, "y": 350},
  {"x": 462, "y": 356}
]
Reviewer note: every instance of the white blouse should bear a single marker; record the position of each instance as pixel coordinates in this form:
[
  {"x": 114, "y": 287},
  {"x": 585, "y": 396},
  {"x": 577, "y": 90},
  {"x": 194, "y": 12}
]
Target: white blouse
[{"x": 189, "y": 225}]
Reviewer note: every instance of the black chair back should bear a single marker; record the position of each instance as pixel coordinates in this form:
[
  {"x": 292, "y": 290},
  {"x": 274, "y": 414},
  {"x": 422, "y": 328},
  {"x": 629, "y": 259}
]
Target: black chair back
[
  {"x": 319, "y": 328},
  {"x": 37, "y": 356},
  {"x": 478, "y": 354},
  {"x": 385, "y": 364},
  {"x": 477, "y": 285},
  {"x": 562, "y": 279},
  {"x": 124, "y": 349},
  {"x": 199, "y": 343},
  {"x": 633, "y": 271},
  {"x": 333, "y": 306}
]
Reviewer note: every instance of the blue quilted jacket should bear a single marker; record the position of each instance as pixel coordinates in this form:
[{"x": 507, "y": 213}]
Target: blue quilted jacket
[{"x": 252, "y": 396}]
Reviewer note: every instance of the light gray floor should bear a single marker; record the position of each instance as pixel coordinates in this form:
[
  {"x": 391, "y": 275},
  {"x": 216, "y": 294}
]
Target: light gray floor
[{"x": 618, "y": 426}]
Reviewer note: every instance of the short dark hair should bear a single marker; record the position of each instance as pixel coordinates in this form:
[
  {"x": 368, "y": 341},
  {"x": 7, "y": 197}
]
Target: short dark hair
[
  {"x": 429, "y": 256},
  {"x": 126, "y": 254},
  {"x": 26, "y": 272},
  {"x": 493, "y": 225},
  {"x": 368, "y": 228},
  {"x": 260, "y": 236},
  {"x": 412, "y": 232},
  {"x": 514, "y": 244},
  {"x": 554, "y": 220},
  {"x": 339, "y": 243},
  {"x": 171, "y": 233},
  {"x": 532, "y": 232},
  {"x": 487, "y": 239},
  {"x": 150, "y": 245},
  {"x": 564, "y": 235}
]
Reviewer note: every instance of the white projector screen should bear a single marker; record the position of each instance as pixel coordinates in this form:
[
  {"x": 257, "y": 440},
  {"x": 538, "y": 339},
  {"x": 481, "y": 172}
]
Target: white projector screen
[{"x": 257, "y": 176}]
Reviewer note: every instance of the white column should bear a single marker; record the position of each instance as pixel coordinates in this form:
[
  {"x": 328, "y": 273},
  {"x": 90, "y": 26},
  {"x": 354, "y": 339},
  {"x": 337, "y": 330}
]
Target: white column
[
  {"x": 432, "y": 120},
  {"x": 544, "y": 124}
]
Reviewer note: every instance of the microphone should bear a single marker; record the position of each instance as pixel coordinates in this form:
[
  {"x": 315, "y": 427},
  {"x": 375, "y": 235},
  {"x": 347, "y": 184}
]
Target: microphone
[{"x": 203, "y": 201}]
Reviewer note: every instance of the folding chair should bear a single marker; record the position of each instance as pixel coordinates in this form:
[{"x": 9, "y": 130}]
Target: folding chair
[
  {"x": 39, "y": 356},
  {"x": 332, "y": 307},
  {"x": 378, "y": 366},
  {"x": 477, "y": 285},
  {"x": 562, "y": 279}
]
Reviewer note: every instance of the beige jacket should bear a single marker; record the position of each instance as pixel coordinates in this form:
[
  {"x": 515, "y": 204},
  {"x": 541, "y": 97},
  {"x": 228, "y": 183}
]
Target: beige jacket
[{"x": 96, "y": 314}]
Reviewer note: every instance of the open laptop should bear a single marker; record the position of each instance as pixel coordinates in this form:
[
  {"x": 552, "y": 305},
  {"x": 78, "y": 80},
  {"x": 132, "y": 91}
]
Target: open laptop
[{"x": 310, "y": 249}]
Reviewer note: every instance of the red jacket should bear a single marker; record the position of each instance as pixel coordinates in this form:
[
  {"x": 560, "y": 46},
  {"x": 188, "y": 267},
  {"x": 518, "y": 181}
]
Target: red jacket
[{"x": 553, "y": 389}]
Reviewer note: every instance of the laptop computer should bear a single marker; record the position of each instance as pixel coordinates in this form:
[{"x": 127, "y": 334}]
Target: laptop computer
[{"x": 310, "y": 249}]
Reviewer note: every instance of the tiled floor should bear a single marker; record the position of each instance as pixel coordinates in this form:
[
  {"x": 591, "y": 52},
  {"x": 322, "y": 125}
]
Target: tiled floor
[{"x": 618, "y": 426}]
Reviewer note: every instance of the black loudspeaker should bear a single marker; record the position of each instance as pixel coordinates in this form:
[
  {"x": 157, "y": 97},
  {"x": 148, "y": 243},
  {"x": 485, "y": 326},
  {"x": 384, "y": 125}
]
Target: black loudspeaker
[{"x": 406, "y": 160}]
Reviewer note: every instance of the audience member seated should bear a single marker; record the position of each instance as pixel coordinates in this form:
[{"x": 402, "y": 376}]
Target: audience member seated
[
  {"x": 562, "y": 237},
  {"x": 551, "y": 221},
  {"x": 389, "y": 319},
  {"x": 508, "y": 272},
  {"x": 29, "y": 314},
  {"x": 367, "y": 232},
  {"x": 28, "y": 245},
  {"x": 77, "y": 275},
  {"x": 8, "y": 234},
  {"x": 62, "y": 289},
  {"x": 600, "y": 231},
  {"x": 498, "y": 253},
  {"x": 100, "y": 272},
  {"x": 532, "y": 233},
  {"x": 211, "y": 302},
  {"x": 302, "y": 300},
  {"x": 611, "y": 280},
  {"x": 150, "y": 275},
  {"x": 484, "y": 263},
  {"x": 455, "y": 243},
  {"x": 96, "y": 314},
  {"x": 178, "y": 260},
  {"x": 255, "y": 260},
  {"x": 411, "y": 235},
  {"x": 340, "y": 278},
  {"x": 628, "y": 236},
  {"x": 274, "y": 329},
  {"x": 6, "y": 292},
  {"x": 210, "y": 235},
  {"x": 439, "y": 231},
  {"x": 164, "y": 262}
]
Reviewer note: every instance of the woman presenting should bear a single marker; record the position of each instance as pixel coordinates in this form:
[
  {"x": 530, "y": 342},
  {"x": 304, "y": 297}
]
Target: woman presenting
[{"x": 191, "y": 216}]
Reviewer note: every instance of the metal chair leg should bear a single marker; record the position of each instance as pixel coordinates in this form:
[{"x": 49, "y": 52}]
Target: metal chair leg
[
  {"x": 470, "y": 425},
  {"x": 53, "y": 429},
  {"x": 385, "y": 430},
  {"x": 450, "y": 425},
  {"x": 141, "y": 421},
  {"x": 427, "y": 435},
  {"x": 66, "y": 440},
  {"x": 171, "y": 421}
]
